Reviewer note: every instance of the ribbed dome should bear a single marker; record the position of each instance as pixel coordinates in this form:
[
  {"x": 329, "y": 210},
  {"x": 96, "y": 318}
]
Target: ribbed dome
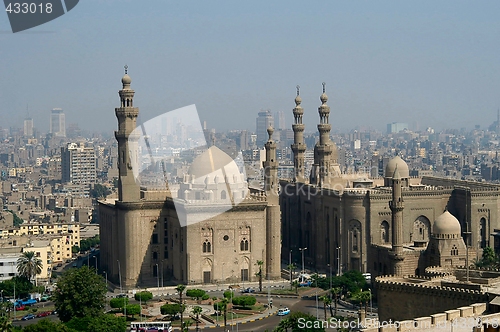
[
  {"x": 401, "y": 165},
  {"x": 446, "y": 224},
  {"x": 209, "y": 161}
]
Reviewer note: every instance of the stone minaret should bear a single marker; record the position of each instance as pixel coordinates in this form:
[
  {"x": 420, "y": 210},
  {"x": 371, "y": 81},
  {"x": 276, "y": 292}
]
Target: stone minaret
[
  {"x": 324, "y": 148},
  {"x": 298, "y": 146},
  {"x": 128, "y": 189},
  {"x": 397, "y": 206},
  {"x": 273, "y": 224}
]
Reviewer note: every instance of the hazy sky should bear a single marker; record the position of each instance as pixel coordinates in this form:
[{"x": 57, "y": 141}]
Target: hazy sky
[{"x": 435, "y": 62}]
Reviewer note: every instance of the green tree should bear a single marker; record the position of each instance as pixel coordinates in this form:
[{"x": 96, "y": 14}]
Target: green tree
[
  {"x": 29, "y": 265},
  {"x": 185, "y": 325},
  {"x": 5, "y": 324},
  {"x": 75, "y": 249},
  {"x": 180, "y": 289},
  {"x": 143, "y": 296},
  {"x": 335, "y": 292},
  {"x": 292, "y": 322},
  {"x": 196, "y": 293},
  {"x": 118, "y": 302},
  {"x": 133, "y": 309},
  {"x": 244, "y": 301},
  {"x": 489, "y": 258},
  {"x": 170, "y": 309},
  {"x": 229, "y": 294},
  {"x": 221, "y": 306},
  {"x": 79, "y": 293},
  {"x": 46, "y": 325},
  {"x": 22, "y": 284},
  {"x": 291, "y": 268},
  {"x": 99, "y": 191},
  {"x": 17, "y": 221},
  {"x": 363, "y": 298},
  {"x": 326, "y": 301},
  {"x": 108, "y": 323},
  {"x": 197, "y": 310},
  {"x": 259, "y": 274},
  {"x": 296, "y": 285}
]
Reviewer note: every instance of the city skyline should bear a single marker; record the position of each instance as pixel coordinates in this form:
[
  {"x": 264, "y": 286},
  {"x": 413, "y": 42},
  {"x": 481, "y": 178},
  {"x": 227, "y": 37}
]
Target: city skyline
[{"x": 434, "y": 63}]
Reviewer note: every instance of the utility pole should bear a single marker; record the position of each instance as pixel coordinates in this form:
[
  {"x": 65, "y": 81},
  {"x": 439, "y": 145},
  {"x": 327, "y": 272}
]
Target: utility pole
[{"x": 303, "y": 269}]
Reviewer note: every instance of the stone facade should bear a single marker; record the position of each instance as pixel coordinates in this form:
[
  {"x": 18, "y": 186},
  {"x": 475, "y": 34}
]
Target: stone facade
[{"x": 213, "y": 230}]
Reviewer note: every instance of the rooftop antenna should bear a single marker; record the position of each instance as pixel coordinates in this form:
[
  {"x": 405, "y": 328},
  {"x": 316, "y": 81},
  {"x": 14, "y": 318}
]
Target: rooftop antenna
[{"x": 126, "y": 69}]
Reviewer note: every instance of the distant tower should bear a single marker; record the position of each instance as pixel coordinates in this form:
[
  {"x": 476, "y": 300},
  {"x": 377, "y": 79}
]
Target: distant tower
[
  {"x": 128, "y": 190},
  {"x": 273, "y": 217},
  {"x": 264, "y": 121},
  {"x": 498, "y": 122},
  {"x": 324, "y": 148},
  {"x": 280, "y": 120},
  {"x": 298, "y": 146},
  {"x": 28, "y": 127},
  {"x": 397, "y": 206},
  {"x": 58, "y": 123}
]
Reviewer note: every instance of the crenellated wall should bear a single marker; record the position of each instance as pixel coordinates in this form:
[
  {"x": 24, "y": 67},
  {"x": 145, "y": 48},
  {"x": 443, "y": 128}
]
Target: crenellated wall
[{"x": 401, "y": 299}]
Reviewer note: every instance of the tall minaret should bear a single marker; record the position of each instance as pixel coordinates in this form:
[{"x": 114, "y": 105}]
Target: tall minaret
[
  {"x": 273, "y": 218},
  {"x": 324, "y": 148},
  {"x": 397, "y": 206},
  {"x": 128, "y": 189},
  {"x": 298, "y": 146}
]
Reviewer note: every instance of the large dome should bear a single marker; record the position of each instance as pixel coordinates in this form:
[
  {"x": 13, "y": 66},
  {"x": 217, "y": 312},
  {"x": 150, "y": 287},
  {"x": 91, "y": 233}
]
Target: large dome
[
  {"x": 446, "y": 224},
  {"x": 401, "y": 165},
  {"x": 210, "y": 161}
]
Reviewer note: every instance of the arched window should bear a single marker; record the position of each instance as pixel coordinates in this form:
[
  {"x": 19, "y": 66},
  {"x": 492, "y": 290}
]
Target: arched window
[
  {"x": 384, "y": 232},
  {"x": 207, "y": 246},
  {"x": 223, "y": 194},
  {"x": 244, "y": 245},
  {"x": 454, "y": 250}
]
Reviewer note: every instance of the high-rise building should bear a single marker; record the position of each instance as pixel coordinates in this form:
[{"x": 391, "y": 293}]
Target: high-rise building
[
  {"x": 57, "y": 123},
  {"x": 264, "y": 121},
  {"x": 78, "y": 164},
  {"x": 396, "y": 127},
  {"x": 280, "y": 120},
  {"x": 28, "y": 127}
]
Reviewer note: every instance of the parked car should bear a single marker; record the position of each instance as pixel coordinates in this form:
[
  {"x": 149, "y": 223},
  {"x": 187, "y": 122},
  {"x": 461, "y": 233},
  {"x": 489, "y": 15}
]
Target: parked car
[
  {"x": 28, "y": 317},
  {"x": 20, "y": 307},
  {"x": 44, "y": 314},
  {"x": 248, "y": 290},
  {"x": 45, "y": 298},
  {"x": 283, "y": 311}
]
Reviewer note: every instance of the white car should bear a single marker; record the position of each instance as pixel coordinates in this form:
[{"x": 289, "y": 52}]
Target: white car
[{"x": 283, "y": 311}]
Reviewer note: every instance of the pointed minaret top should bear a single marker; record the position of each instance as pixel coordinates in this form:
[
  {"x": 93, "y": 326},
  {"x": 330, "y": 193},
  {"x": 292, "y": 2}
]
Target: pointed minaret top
[
  {"x": 298, "y": 100},
  {"x": 126, "y": 80},
  {"x": 324, "y": 97}
]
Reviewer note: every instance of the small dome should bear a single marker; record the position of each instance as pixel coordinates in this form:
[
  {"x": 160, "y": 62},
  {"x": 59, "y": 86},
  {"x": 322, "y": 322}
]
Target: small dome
[
  {"x": 270, "y": 132},
  {"x": 446, "y": 224},
  {"x": 323, "y": 98},
  {"x": 401, "y": 166},
  {"x": 298, "y": 100},
  {"x": 126, "y": 80}
]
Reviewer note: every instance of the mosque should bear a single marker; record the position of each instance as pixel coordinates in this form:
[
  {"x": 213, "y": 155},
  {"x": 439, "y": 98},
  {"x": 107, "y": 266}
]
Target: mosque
[
  {"x": 338, "y": 222},
  {"x": 213, "y": 229}
]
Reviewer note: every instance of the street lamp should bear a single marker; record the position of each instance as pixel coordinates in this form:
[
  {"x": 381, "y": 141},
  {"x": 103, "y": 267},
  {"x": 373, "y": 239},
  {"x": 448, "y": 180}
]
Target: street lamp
[
  {"x": 338, "y": 261},
  {"x": 120, "y": 276},
  {"x": 157, "y": 276},
  {"x": 371, "y": 301},
  {"x": 330, "y": 265},
  {"x": 232, "y": 311},
  {"x": 290, "y": 267},
  {"x": 95, "y": 257},
  {"x": 303, "y": 271}
]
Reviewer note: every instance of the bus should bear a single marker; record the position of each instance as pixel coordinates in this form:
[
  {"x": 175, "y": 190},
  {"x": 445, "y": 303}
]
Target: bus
[{"x": 150, "y": 327}]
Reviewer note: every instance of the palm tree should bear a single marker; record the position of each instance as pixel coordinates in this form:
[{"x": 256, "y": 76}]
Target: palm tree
[
  {"x": 197, "y": 311},
  {"x": 296, "y": 285},
  {"x": 180, "y": 289},
  {"x": 292, "y": 268},
  {"x": 363, "y": 297},
  {"x": 29, "y": 265},
  {"x": 5, "y": 324},
  {"x": 336, "y": 292},
  {"x": 326, "y": 301},
  {"x": 259, "y": 274},
  {"x": 223, "y": 304}
]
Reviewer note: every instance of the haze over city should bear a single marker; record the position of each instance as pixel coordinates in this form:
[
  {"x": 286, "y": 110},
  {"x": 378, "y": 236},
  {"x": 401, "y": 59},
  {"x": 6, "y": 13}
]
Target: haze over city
[{"x": 435, "y": 63}]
